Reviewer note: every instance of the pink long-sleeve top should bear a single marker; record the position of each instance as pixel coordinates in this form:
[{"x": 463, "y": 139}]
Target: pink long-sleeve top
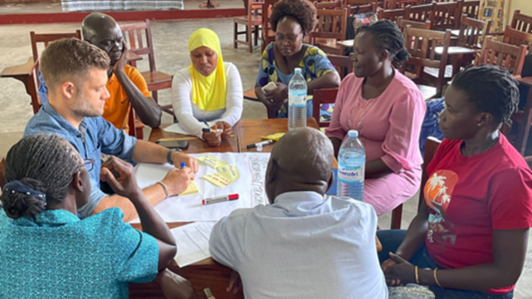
[{"x": 389, "y": 127}]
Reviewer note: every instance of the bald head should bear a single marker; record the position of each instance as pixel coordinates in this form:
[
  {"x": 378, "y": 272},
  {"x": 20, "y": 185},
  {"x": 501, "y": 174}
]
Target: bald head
[
  {"x": 300, "y": 161},
  {"x": 104, "y": 32}
]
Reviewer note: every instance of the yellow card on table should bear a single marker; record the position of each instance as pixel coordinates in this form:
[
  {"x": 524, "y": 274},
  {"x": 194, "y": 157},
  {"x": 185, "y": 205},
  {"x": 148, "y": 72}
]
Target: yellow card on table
[
  {"x": 217, "y": 180},
  {"x": 274, "y": 137},
  {"x": 210, "y": 161},
  {"x": 191, "y": 189},
  {"x": 229, "y": 172}
]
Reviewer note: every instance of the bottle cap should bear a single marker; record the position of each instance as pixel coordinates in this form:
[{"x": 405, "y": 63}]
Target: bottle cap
[
  {"x": 352, "y": 134},
  {"x": 297, "y": 70}
]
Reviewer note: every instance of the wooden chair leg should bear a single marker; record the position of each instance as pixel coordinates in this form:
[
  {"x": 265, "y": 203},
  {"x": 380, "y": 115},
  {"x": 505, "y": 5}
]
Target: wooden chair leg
[
  {"x": 256, "y": 35},
  {"x": 249, "y": 38},
  {"x": 235, "y": 35},
  {"x": 396, "y": 217}
]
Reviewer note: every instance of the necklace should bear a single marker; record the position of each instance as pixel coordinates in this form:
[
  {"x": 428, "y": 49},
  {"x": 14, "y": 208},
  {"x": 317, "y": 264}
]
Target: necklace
[{"x": 487, "y": 149}]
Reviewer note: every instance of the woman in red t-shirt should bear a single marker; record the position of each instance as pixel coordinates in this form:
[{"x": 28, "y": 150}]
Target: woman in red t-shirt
[{"x": 469, "y": 237}]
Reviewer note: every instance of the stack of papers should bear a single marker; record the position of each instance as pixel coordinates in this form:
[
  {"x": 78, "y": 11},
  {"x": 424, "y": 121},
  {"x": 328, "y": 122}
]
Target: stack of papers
[{"x": 192, "y": 242}]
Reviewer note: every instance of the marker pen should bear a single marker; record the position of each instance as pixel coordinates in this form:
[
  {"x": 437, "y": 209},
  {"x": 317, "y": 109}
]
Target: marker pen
[
  {"x": 208, "y": 293},
  {"x": 208, "y": 201},
  {"x": 209, "y": 130},
  {"x": 258, "y": 144}
]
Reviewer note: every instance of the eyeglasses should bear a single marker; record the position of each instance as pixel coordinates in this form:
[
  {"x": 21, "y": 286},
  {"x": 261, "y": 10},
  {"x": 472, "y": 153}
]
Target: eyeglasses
[
  {"x": 89, "y": 164},
  {"x": 289, "y": 38}
]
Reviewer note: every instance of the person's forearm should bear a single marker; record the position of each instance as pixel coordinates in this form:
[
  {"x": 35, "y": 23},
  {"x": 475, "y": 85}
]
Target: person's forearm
[
  {"x": 336, "y": 145},
  {"x": 154, "y": 194},
  {"x": 146, "y": 108},
  {"x": 330, "y": 80},
  {"x": 376, "y": 169},
  {"x": 414, "y": 238},
  {"x": 474, "y": 278},
  {"x": 149, "y": 152}
]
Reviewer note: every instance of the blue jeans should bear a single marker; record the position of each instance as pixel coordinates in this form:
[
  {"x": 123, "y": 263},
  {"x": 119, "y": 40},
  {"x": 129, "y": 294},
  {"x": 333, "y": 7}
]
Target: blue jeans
[{"x": 391, "y": 239}]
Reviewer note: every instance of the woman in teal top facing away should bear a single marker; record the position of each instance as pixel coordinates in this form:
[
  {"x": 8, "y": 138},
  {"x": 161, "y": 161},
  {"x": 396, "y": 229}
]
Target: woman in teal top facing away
[
  {"x": 47, "y": 251},
  {"x": 292, "y": 21}
]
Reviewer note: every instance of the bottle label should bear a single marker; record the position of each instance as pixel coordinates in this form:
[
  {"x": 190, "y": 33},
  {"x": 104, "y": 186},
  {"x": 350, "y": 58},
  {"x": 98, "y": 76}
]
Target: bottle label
[
  {"x": 351, "y": 175},
  {"x": 297, "y": 97}
]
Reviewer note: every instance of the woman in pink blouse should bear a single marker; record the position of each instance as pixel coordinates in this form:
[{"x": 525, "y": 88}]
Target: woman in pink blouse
[{"x": 387, "y": 109}]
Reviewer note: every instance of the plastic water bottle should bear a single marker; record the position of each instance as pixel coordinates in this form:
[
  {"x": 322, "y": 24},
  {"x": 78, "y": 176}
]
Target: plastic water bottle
[
  {"x": 351, "y": 166},
  {"x": 297, "y": 105}
]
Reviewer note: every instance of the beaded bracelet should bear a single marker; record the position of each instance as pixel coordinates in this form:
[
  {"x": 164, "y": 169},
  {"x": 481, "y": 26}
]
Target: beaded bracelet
[{"x": 165, "y": 189}]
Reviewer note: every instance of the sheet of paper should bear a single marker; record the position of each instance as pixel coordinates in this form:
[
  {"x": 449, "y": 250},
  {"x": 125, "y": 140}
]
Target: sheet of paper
[
  {"x": 210, "y": 161},
  {"x": 250, "y": 187},
  {"x": 229, "y": 172},
  {"x": 176, "y": 128},
  {"x": 192, "y": 242},
  {"x": 152, "y": 173},
  {"x": 217, "y": 180}
]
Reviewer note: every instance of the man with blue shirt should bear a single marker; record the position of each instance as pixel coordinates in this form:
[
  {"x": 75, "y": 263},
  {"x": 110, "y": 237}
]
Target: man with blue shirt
[
  {"x": 304, "y": 244},
  {"x": 76, "y": 74}
]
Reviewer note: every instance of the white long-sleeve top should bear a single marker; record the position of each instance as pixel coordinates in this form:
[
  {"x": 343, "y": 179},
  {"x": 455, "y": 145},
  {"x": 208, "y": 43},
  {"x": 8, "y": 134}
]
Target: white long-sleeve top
[{"x": 190, "y": 117}]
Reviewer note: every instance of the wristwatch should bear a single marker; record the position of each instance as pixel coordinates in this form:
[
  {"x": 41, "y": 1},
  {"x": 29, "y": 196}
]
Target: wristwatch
[{"x": 169, "y": 156}]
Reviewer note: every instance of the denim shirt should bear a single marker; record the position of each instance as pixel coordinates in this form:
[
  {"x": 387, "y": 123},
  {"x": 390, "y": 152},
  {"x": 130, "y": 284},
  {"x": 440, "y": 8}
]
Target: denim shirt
[{"x": 94, "y": 137}]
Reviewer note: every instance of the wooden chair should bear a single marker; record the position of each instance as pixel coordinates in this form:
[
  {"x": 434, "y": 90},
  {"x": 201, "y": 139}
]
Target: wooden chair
[
  {"x": 342, "y": 64},
  {"x": 392, "y": 14},
  {"x": 446, "y": 15},
  {"x": 329, "y": 5},
  {"x": 320, "y": 97},
  {"x": 508, "y": 56},
  {"x": 470, "y": 8},
  {"x": 367, "y": 8},
  {"x": 519, "y": 22},
  {"x": 515, "y": 37},
  {"x": 402, "y": 23},
  {"x": 267, "y": 34},
  {"x": 357, "y": 2},
  {"x": 393, "y": 4},
  {"x": 420, "y": 13},
  {"x": 421, "y": 44},
  {"x": 47, "y": 38},
  {"x": 252, "y": 21},
  {"x": 331, "y": 27},
  {"x": 431, "y": 146}
]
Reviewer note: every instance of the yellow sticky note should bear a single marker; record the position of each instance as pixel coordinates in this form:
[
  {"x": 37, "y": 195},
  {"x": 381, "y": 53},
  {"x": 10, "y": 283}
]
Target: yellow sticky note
[
  {"x": 191, "y": 189},
  {"x": 229, "y": 172},
  {"x": 210, "y": 161},
  {"x": 217, "y": 180},
  {"x": 274, "y": 137}
]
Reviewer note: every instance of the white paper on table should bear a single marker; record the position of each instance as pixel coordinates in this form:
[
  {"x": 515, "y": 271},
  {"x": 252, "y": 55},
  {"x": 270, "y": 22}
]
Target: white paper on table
[
  {"x": 250, "y": 188},
  {"x": 176, "y": 128},
  {"x": 192, "y": 242}
]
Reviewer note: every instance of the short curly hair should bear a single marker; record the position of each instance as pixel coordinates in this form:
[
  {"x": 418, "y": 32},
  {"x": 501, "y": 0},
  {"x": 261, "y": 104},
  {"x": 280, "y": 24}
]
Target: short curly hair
[{"x": 302, "y": 11}]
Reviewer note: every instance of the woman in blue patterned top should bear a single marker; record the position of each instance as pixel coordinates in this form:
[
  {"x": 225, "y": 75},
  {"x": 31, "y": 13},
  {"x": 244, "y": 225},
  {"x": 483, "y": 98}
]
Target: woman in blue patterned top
[
  {"x": 292, "y": 21},
  {"x": 47, "y": 251}
]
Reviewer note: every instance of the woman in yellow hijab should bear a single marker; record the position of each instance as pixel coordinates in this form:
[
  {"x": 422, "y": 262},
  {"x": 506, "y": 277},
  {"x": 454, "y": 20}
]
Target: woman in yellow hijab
[{"x": 209, "y": 90}]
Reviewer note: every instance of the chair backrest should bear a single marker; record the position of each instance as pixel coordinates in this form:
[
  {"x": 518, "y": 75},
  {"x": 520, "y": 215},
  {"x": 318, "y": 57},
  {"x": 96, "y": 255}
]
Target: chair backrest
[
  {"x": 420, "y": 13},
  {"x": 355, "y": 9},
  {"x": 329, "y": 5},
  {"x": 253, "y": 8},
  {"x": 393, "y": 4},
  {"x": 472, "y": 32},
  {"x": 446, "y": 15},
  {"x": 515, "y": 37},
  {"x": 421, "y": 44},
  {"x": 392, "y": 14},
  {"x": 508, "y": 56},
  {"x": 342, "y": 64},
  {"x": 357, "y": 2},
  {"x": 320, "y": 97},
  {"x": 431, "y": 146},
  {"x": 402, "y": 23},
  {"x": 46, "y": 39},
  {"x": 521, "y": 22},
  {"x": 266, "y": 35},
  {"x": 332, "y": 23},
  {"x": 471, "y": 8},
  {"x": 139, "y": 43}
]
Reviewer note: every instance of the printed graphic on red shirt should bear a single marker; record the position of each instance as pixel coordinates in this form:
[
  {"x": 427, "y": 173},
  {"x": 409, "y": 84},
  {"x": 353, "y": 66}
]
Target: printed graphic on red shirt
[{"x": 438, "y": 195}]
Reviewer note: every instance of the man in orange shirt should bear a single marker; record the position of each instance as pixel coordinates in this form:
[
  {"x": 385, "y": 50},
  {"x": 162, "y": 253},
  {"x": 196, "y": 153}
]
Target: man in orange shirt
[{"x": 126, "y": 85}]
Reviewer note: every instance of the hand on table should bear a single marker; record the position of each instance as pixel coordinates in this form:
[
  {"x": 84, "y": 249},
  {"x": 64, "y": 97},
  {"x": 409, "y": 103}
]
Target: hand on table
[
  {"x": 120, "y": 176},
  {"x": 177, "y": 180},
  {"x": 235, "y": 283},
  {"x": 398, "y": 271},
  {"x": 227, "y": 129},
  {"x": 214, "y": 138},
  {"x": 178, "y": 157},
  {"x": 174, "y": 286}
]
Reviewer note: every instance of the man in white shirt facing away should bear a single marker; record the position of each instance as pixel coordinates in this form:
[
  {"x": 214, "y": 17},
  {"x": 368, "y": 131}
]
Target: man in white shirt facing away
[{"x": 305, "y": 244}]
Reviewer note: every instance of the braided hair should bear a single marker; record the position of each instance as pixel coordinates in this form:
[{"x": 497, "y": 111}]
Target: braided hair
[
  {"x": 42, "y": 164},
  {"x": 491, "y": 89},
  {"x": 303, "y": 11},
  {"x": 389, "y": 37}
]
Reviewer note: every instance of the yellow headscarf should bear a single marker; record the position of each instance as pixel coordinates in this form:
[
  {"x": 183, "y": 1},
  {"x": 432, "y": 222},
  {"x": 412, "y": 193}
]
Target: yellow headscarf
[{"x": 208, "y": 93}]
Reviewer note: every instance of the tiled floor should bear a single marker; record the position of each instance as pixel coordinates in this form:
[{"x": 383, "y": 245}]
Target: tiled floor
[{"x": 170, "y": 39}]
